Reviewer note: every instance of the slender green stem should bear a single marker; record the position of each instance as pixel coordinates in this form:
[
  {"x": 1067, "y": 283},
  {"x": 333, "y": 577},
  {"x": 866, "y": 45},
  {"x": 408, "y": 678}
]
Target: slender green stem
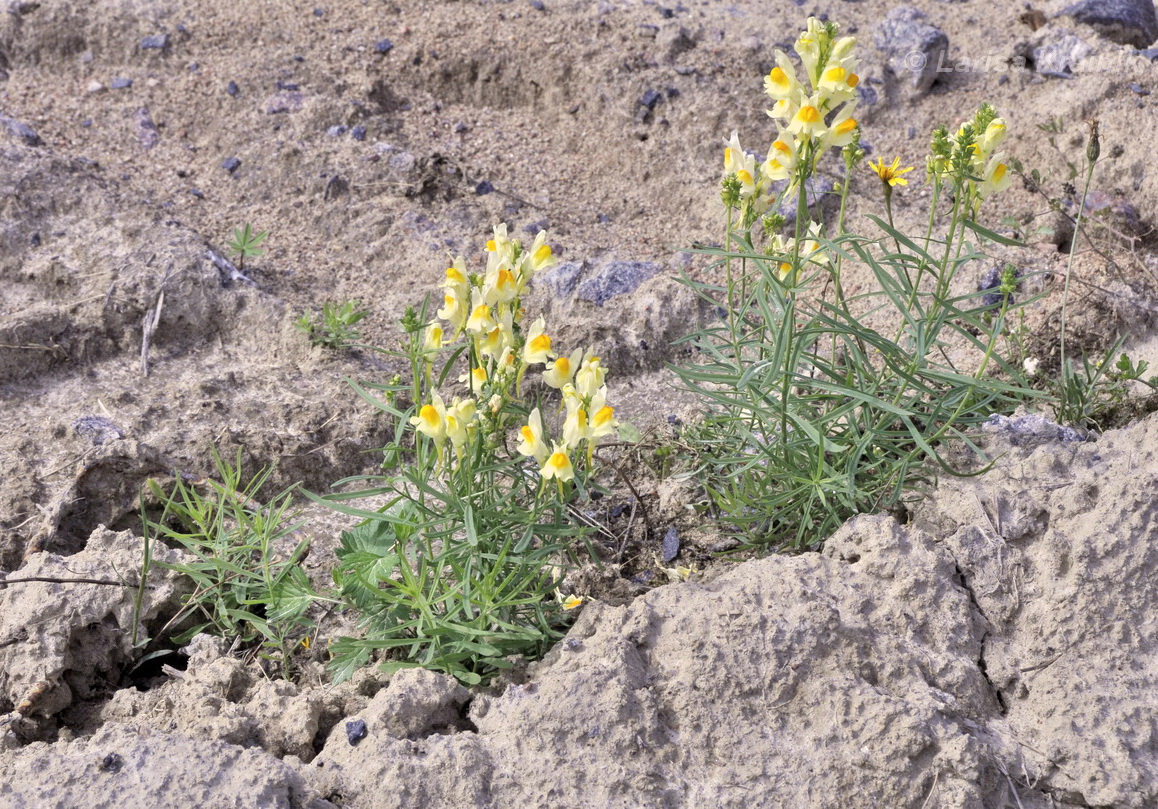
[{"x": 1070, "y": 260}]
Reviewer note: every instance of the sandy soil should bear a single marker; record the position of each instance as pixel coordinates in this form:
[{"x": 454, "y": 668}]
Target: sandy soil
[{"x": 374, "y": 138}]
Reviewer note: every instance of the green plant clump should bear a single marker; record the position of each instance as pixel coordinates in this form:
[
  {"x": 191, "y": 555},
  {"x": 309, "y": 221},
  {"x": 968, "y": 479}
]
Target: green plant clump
[
  {"x": 335, "y": 329},
  {"x": 245, "y": 587},
  {"x": 246, "y": 244},
  {"x": 459, "y": 571},
  {"x": 817, "y": 414}
]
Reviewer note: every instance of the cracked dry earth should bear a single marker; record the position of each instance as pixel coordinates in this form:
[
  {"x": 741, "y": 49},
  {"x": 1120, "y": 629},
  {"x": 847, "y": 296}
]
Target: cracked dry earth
[{"x": 998, "y": 651}]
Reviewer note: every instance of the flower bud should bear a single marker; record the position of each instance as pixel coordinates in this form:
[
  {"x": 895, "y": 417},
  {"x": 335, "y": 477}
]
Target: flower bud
[{"x": 1094, "y": 146}]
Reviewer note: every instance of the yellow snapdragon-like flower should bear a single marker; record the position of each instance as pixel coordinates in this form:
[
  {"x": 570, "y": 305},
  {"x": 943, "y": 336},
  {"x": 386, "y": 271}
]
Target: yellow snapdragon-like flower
[
  {"x": 572, "y": 602},
  {"x": 533, "y": 445},
  {"x": 577, "y": 427},
  {"x": 456, "y": 278},
  {"x": 481, "y": 320},
  {"x": 589, "y": 377},
  {"x": 561, "y": 371},
  {"x": 431, "y": 419},
  {"x": 809, "y": 119},
  {"x": 495, "y": 342},
  {"x": 781, "y": 83},
  {"x": 782, "y": 157},
  {"x": 538, "y": 346},
  {"x": 433, "y": 340},
  {"x": 500, "y": 286},
  {"x": 843, "y": 130},
  {"x": 808, "y": 46},
  {"x": 558, "y": 465},
  {"x": 538, "y": 257},
  {"x": 742, "y": 165},
  {"x": 992, "y": 137},
  {"x": 500, "y": 249},
  {"x": 460, "y": 421},
  {"x": 996, "y": 178},
  {"x": 603, "y": 421},
  {"x": 454, "y": 309}
]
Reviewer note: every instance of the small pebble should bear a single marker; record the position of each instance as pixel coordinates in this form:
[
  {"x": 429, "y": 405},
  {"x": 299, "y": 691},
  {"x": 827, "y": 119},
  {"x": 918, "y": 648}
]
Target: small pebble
[
  {"x": 94, "y": 86},
  {"x": 538, "y": 5},
  {"x": 288, "y": 85},
  {"x": 1139, "y": 89},
  {"x": 232, "y": 88},
  {"x": 157, "y": 42},
  {"x": 383, "y": 46},
  {"x": 194, "y": 67},
  {"x": 355, "y": 731},
  {"x": 231, "y": 164},
  {"x": 335, "y": 131},
  {"x": 602, "y": 218},
  {"x": 671, "y": 545},
  {"x": 460, "y": 127},
  {"x": 484, "y": 188},
  {"x": 120, "y": 83},
  {"x": 358, "y": 133},
  {"x": 86, "y": 123},
  {"x": 196, "y": 193},
  {"x": 319, "y": 12}
]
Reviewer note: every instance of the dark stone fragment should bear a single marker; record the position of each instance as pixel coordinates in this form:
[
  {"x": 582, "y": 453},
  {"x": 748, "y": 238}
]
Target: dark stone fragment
[
  {"x": 97, "y": 429},
  {"x": 21, "y": 130},
  {"x": 231, "y": 164},
  {"x": 650, "y": 98},
  {"x": 232, "y": 88},
  {"x": 120, "y": 83},
  {"x": 358, "y": 133},
  {"x": 538, "y": 5},
  {"x": 355, "y": 731},
  {"x": 671, "y": 545},
  {"x": 484, "y": 188},
  {"x": 383, "y": 46}
]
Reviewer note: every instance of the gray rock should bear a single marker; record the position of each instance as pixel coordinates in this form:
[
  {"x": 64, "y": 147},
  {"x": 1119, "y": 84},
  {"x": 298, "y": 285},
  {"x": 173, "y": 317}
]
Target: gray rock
[
  {"x": 157, "y": 42},
  {"x": 616, "y": 278},
  {"x": 286, "y": 101},
  {"x": 120, "y": 83},
  {"x": 21, "y": 130},
  {"x": 97, "y": 429},
  {"x": 914, "y": 48},
  {"x": 147, "y": 132},
  {"x": 1127, "y": 22},
  {"x": 231, "y": 164},
  {"x": 562, "y": 279},
  {"x": 1060, "y": 54}
]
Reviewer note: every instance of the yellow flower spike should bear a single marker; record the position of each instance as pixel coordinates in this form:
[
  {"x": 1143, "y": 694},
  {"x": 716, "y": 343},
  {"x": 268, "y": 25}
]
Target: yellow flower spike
[
  {"x": 572, "y": 602},
  {"x": 558, "y": 466},
  {"x": 890, "y": 174}
]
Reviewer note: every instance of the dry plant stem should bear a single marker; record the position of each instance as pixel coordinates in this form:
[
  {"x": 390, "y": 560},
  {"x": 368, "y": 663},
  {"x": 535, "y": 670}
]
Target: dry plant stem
[
  {"x": 53, "y": 580},
  {"x": 1070, "y": 260},
  {"x": 635, "y": 494}
]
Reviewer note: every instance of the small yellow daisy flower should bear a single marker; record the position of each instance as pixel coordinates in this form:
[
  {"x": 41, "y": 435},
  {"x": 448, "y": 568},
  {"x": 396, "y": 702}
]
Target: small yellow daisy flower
[{"x": 891, "y": 174}]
